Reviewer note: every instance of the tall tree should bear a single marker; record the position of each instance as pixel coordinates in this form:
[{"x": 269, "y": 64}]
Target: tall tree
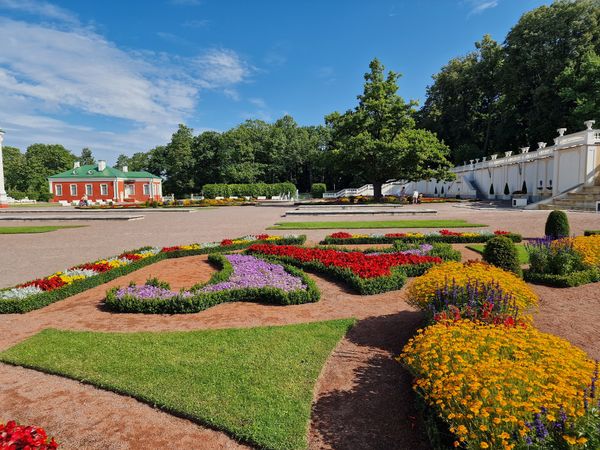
[
  {"x": 377, "y": 139},
  {"x": 15, "y": 174},
  {"x": 86, "y": 157},
  {"x": 43, "y": 160},
  {"x": 178, "y": 162}
]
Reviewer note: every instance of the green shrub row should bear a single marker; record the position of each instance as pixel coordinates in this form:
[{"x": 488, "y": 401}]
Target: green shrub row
[
  {"x": 591, "y": 232},
  {"x": 564, "y": 281},
  {"x": 502, "y": 252},
  {"x": 45, "y": 298},
  {"x": 204, "y": 300},
  {"x": 430, "y": 239},
  {"x": 248, "y": 190}
]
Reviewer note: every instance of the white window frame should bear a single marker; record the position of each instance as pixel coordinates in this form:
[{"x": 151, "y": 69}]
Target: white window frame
[
  {"x": 129, "y": 190},
  {"x": 147, "y": 189},
  {"x": 91, "y": 190},
  {"x": 73, "y": 190},
  {"x": 104, "y": 189},
  {"x": 58, "y": 190}
]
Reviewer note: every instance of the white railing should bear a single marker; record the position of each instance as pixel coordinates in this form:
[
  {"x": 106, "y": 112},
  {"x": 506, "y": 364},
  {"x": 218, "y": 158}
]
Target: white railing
[{"x": 366, "y": 189}]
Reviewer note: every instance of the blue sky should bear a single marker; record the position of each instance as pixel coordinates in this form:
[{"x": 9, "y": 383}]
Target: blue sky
[{"x": 118, "y": 76}]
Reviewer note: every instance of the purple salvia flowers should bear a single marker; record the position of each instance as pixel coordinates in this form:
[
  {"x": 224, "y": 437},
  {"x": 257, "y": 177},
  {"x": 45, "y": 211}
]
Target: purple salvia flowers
[{"x": 252, "y": 272}]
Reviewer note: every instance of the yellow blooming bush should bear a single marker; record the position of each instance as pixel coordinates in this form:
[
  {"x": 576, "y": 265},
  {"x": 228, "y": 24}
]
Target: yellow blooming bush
[
  {"x": 486, "y": 382},
  {"x": 588, "y": 247},
  {"x": 422, "y": 290}
]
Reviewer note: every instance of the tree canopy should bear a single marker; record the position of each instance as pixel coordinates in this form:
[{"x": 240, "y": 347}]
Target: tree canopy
[
  {"x": 377, "y": 140},
  {"x": 543, "y": 77}
]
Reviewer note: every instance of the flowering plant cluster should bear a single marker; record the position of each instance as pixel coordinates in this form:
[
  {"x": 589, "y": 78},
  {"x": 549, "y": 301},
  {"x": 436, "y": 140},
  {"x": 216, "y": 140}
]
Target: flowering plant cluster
[
  {"x": 504, "y": 387},
  {"x": 368, "y": 273},
  {"x": 21, "y": 437},
  {"x": 455, "y": 283},
  {"x": 564, "y": 262},
  {"x": 241, "y": 278},
  {"x": 43, "y": 291},
  {"x": 448, "y": 236}
]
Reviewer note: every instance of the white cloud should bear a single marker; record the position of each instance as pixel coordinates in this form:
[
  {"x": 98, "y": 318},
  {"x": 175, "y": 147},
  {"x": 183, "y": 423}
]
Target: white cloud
[
  {"x": 39, "y": 8},
  {"x": 479, "y": 6},
  {"x": 52, "y": 77},
  {"x": 258, "y": 102},
  {"x": 196, "y": 23}
]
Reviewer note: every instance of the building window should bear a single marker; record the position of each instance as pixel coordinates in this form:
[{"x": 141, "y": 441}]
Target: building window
[
  {"x": 147, "y": 189},
  {"x": 129, "y": 189},
  {"x": 104, "y": 189},
  {"x": 73, "y": 190},
  {"x": 58, "y": 188},
  {"x": 89, "y": 190}
]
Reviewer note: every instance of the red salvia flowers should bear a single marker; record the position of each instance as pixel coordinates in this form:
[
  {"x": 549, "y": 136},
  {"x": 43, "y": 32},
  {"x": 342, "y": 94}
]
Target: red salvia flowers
[
  {"x": 365, "y": 266},
  {"x": 20, "y": 437}
]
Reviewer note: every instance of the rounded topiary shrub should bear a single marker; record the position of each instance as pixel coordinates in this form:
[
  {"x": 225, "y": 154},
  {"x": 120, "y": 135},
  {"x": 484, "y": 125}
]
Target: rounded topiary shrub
[
  {"x": 502, "y": 252},
  {"x": 318, "y": 189},
  {"x": 557, "y": 225}
]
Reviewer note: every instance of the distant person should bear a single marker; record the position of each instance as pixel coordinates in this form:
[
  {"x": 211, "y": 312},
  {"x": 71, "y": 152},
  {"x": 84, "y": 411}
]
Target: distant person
[
  {"x": 84, "y": 201},
  {"x": 415, "y": 197}
]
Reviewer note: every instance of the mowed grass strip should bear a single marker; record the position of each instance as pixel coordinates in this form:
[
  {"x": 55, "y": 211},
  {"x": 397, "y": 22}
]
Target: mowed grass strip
[
  {"x": 345, "y": 225},
  {"x": 521, "y": 251},
  {"x": 255, "y": 383},
  {"x": 35, "y": 229}
]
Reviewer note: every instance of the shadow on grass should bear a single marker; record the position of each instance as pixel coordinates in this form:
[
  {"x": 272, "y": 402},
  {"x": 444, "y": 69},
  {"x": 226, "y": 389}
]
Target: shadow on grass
[{"x": 379, "y": 411}]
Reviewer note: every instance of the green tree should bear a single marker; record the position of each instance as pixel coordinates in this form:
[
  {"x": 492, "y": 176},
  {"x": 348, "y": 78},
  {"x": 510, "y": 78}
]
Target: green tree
[
  {"x": 43, "y": 160},
  {"x": 178, "y": 162},
  {"x": 581, "y": 87},
  {"x": 377, "y": 139},
  {"x": 15, "y": 175},
  {"x": 86, "y": 157}
]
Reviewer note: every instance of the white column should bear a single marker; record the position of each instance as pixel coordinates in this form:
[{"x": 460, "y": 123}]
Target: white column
[{"x": 3, "y": 198}]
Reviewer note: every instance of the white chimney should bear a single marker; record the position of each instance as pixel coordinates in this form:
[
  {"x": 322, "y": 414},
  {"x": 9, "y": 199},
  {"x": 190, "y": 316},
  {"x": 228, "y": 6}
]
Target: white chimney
[
  {"x": 101, "y": 165},
  {"x": 76, "y": 165},
  {"x": 125, "y": 169}
]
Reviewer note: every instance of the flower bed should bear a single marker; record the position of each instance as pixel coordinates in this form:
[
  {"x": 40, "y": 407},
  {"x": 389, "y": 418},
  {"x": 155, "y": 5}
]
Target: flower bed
[
  {"x": 366, "y": 273},
  {"x": 440, "y": 282},
  {"x": 22, "y": 437},
  {"x": 241, "y": 278},
  {"x": 38, "y": 293},
  {"x": 447, "y": 236},
  {"x": 564, "y": 262},
  {"x": 499, "y": 387}
]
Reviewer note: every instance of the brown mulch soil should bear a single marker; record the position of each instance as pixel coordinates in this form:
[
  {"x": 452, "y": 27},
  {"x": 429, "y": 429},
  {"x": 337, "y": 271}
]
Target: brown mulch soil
[{"x": 363, "y": 398}]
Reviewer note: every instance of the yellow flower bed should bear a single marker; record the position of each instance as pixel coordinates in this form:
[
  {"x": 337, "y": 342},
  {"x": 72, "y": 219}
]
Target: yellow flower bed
[
  {"x": 487, "y": 381},
  {"x": 588, "y": 247},
  {"x": 422, "y": 289}
]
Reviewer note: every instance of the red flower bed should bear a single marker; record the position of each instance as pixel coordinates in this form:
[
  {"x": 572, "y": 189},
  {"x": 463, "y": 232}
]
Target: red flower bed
[
  {"x": 170, "y": 249},
  {"x": 19, "y": 437},
  {"x": 262, "y": 237},
  {"x": 226, "y": 242},
  {"x": 395, "y": 235},
  {"x": 341, "y": 235},
  {"x": 130, "y": 256},
  {"x": 46, "y": 284},
  {"x": 365, "y": 266},
  {"x": 450, "y": 233},
  {"x": 501, "y": 233},
  {"x": 97, "y": 267}
]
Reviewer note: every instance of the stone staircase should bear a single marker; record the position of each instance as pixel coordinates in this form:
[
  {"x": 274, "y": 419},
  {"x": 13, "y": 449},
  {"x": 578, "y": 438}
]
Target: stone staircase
[{"x": 584, "y": 199}]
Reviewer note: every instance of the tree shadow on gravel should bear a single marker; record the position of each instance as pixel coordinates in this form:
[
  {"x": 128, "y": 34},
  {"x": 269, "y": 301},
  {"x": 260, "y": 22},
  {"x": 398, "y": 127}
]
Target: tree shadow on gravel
[{"x": 378, "y": 411}]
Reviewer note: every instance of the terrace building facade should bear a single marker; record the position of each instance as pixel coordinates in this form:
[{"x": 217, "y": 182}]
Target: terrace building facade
[{"x": 101, "y": 183}]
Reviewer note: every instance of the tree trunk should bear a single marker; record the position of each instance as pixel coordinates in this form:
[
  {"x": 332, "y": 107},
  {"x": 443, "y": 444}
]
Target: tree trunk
[{"x": 377, "y": 190}]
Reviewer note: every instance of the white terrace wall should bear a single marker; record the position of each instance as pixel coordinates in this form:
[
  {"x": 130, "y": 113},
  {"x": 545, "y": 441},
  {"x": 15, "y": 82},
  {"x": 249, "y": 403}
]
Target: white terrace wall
[{"x": 572, "y": 161}]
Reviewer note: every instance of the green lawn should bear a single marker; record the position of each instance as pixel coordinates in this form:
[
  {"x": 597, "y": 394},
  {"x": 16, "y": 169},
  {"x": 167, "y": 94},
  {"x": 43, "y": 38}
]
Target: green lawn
[
  {"x": 521, "y": 251},
  {"x": 375, "y": 224},
  {"x": 34, "y": 205},
  {"x": 35, "y": 229},
  {"x": 255, "y": 383}
]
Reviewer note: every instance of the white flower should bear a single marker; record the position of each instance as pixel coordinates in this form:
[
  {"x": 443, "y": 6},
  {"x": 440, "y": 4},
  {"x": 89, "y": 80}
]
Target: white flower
[{"x": 19, "y": 293}]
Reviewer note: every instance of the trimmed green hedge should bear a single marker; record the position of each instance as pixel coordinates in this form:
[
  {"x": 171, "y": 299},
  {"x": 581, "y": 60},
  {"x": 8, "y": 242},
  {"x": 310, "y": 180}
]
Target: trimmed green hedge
[
  {"x": 318, "y": 189},
  {"x": 564, "y": 281},
  {"x": 417, "y": 240},
  {"x": 248, "y": 190},
  {"x": 204, "y": 300},
  {"x": 591, "y": 232},
  {"x": 42, "y": 299}
]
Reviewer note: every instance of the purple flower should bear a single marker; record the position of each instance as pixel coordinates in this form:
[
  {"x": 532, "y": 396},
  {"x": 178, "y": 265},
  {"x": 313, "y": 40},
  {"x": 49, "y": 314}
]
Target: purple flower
[
  {"x": 149, "y": 292},
  {"x": 252, "y": 272}
]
